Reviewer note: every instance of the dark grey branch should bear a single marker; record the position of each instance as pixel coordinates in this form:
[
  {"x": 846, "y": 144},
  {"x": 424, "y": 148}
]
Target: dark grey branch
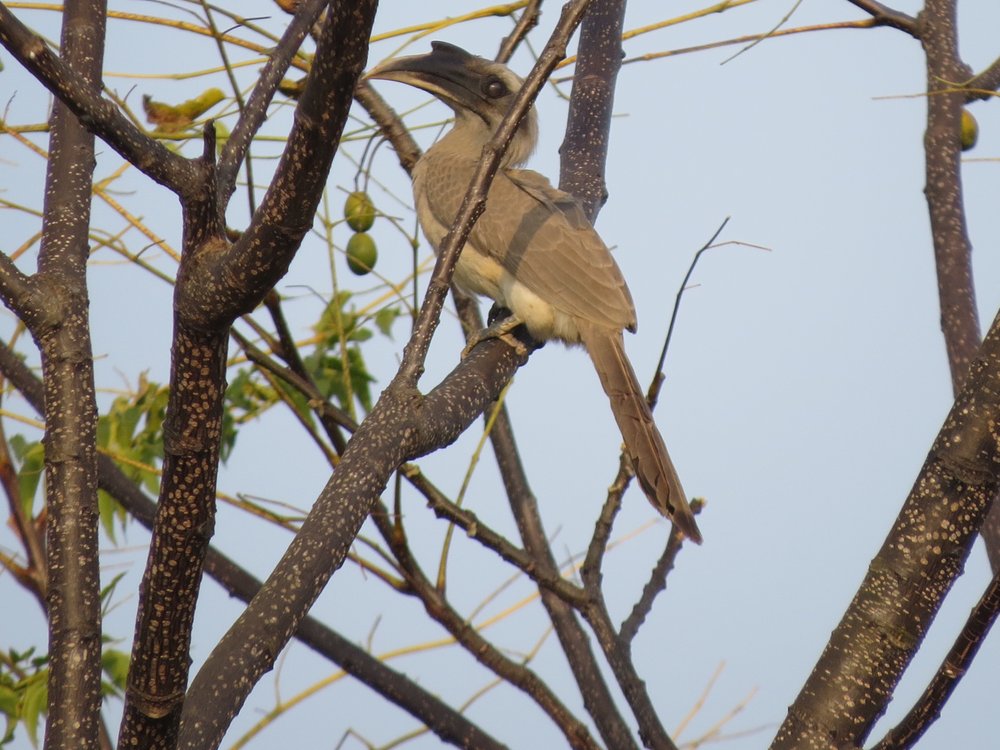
[
  {"x": 597, "y": 698},
  {"x": 440, "y": 718},
  {"x": 233, "y": 280},
  {"x": 61, "y": 328},
  {"x": 402, "y": 425},
  {"x": 588, "y": 126},
  {"x": 390, "y": 124},
  {"x": 922, "y": 555},
  {"x": 255, "y": 111},
  {"x": 518, "y": 675},
  {"x": 17, "y": 291},
  {"x": 886, "y": 16},
  {"x": 525, "y": 23},
  {"x": 928, "y": 707}
]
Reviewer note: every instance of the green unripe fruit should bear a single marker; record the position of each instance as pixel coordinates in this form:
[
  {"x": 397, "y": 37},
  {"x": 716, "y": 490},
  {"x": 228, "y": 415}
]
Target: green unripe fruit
[
  {"x": 359, "y": 211},
  {"x": 970, "y": 130},
  {"x": 361, "y": 253}
]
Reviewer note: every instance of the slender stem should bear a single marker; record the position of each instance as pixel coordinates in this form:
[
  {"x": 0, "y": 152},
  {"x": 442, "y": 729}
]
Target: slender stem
[
  {"x": 253, "y": 114},
  {"x": 525, "y": 23},
  {"x": 886, "y": 16},
  {"x": 468, "y": 637}
]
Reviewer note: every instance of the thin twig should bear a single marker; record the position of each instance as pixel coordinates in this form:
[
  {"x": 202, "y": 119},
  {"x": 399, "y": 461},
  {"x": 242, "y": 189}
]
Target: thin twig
[
  {"x": 657, "y": 582},
  {"x": 252, "y": 115},
  {"x": 525, "y": 23},
  {"x": 886, "y": 16},
  {"x": 439, "y": 609},
  {"x": 654, "y": 390}
]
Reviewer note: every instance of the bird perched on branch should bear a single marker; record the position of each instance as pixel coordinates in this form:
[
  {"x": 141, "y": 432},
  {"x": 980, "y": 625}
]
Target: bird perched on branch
[{"x": 533, "y": 250}]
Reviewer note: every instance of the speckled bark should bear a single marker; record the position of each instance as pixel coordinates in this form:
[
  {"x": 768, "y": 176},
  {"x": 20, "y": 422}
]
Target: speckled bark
[
  {"x": 954, "y": 666},
  {"x": 446, "y": 722},
  {"x": 946, "y": 208},
  {"x": 60, "y": 325},
  {"x": 216, "y": 282},
  {"x": 943, "y": 188},
  {"x": 403, "y": 425},
  {"x": 583, "y": 161},
  {"x": 925, "y": 551},
  {"x": 588, "y": 127},
  {"x": 185, "y": 519}
]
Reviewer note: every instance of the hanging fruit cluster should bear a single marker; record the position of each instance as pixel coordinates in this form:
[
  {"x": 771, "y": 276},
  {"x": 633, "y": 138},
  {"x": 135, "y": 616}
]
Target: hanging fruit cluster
[{"x": 359, "y": 212}]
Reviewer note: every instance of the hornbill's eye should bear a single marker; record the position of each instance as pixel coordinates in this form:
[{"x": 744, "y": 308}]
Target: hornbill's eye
[{"x": 494, "y": 88}]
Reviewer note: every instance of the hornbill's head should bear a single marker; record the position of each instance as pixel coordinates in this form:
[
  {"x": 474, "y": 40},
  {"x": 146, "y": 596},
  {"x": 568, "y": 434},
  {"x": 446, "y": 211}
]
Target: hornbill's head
[{"x": 480, "y": 92}]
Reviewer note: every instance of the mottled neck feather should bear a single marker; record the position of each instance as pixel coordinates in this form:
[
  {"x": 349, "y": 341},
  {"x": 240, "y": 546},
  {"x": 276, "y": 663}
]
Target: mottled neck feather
[{"x": 471, "y": 133}]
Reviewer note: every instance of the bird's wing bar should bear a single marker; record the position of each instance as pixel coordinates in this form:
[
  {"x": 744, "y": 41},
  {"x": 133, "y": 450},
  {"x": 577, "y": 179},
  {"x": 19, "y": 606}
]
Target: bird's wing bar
[
  {"x": 542, "y": 191},
  {"x": 551, "y": 248}
]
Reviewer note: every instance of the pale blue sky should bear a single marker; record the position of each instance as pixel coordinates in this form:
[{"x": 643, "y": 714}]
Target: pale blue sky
[{"x": 804, "y": 385}]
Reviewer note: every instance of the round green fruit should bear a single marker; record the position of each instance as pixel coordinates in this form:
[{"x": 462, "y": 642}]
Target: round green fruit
[
  {"x": 361, "y": 253},
  {"x": 359, "y": 211},
  {"x": 970, "y": 130}
]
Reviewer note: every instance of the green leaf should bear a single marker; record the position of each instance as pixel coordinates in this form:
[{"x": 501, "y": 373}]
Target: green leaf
[
  {"x": 227, "y": 441},
  {"x": 360, "y": 378},
  {"x": 115, "y": 664},
  {"x": 31, "y": 459},
  {"x": 33, "y": 702},
  {"x": 109, "y": 591},
  {"x": 132, "y": 429},
  {"x": 384, "y": 319},
  {"x": 110, "y": 510},
  {"x": 8, "y": 698},
  {"x": 8, "y": 734},
  {"x": 328, "y": 373}
]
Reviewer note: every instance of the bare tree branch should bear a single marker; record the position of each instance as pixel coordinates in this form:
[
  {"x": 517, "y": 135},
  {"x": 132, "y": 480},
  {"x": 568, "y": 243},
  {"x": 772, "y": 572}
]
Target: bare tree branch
[
  {"x": 61, "y": 327},
  {"x": 583, "y": 154},
  {"x": 399, "y": 427},
  {"x": 575, "y": 643},
  {"x": 402, "y": 425},
  {"x": 525, "y": 23},
  {"x": 474, "y": 643},
  {"x": 886, "y": 16},
  {"x": 216, "y": 282},
  {"x": 946, "y": 207},
  {"x": 984, "y": 82},
  {"x": 390, "y": 124},
  {"x": 17, "y": 291},
  {"x": 923, "y": 554},
  {"x": 255, "y": 111},
  {"x": 440, "y": 718},
  {"x": 926, "y": 711},
  {"x": 657, "y": 583},
  {"x": 943, "y": 188}
]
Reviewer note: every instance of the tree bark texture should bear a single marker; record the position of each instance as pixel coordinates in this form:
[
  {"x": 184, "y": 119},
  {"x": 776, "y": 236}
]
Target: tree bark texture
[{"x": 907, "y": 581}]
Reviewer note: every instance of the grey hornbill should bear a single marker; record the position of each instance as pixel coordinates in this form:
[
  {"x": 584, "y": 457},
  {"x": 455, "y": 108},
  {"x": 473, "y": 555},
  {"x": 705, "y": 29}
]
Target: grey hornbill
[{"x": 533, "y": 250}]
